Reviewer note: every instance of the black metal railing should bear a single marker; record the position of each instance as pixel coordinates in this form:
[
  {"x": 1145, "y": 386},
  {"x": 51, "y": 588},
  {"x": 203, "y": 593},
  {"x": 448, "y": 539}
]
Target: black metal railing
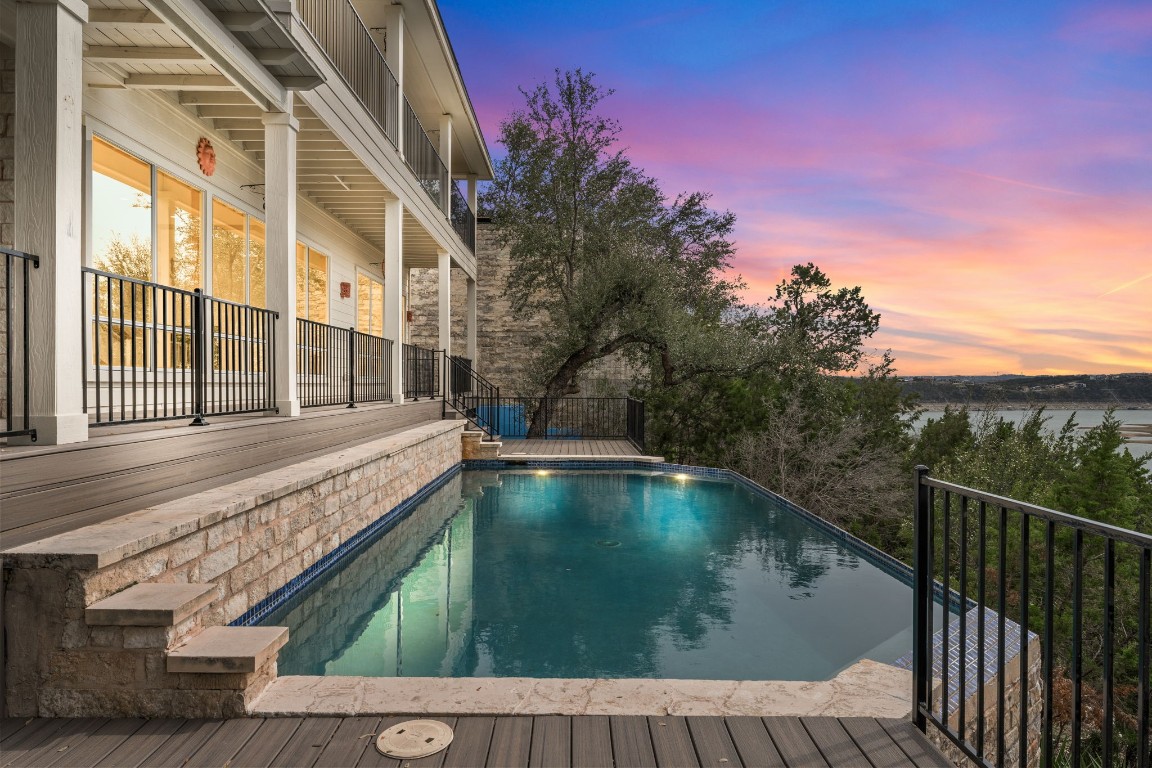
[
  {"x": 635, "y": 426},
  {"x": 424, "y": 160},
  {"x": 1046, "y": 660},
  {"x": 471, "y": 394},
  {"x": 463, "y": 219},
  {"x": 153, "y": 352},
  {"x": 341, "y": 366},
  {"x": 17, "y": 371},
  {"x": 421, "y": 372},
  {"x": 562, "y": 418},
  {"x": 348, "y": 44}
]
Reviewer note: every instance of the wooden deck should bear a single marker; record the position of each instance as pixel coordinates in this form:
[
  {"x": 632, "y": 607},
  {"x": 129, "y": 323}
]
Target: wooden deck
[
  {"x": 46, "y": 490},
  {"x": 590, "y": 448},
  {"x": 500, "y": 742}
]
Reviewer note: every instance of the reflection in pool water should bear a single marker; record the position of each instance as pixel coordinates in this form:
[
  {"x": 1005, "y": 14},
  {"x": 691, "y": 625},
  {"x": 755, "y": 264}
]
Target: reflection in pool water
[{"x": 598, "y": 575}]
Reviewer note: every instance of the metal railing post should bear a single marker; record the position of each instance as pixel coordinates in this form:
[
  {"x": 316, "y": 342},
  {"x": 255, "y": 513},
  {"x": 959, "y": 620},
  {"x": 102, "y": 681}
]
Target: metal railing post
[
  {"x": 198, "y": 337},
  {"x": 351, "y": 367},
  {"x": 921, "y": 603}
]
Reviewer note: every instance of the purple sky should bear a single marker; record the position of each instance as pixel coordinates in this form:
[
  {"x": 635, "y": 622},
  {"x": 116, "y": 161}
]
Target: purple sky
[{"x": 982, "y": 169}]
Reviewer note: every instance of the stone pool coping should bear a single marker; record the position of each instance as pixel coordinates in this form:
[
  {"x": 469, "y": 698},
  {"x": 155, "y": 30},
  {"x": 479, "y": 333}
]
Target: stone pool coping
[{"x": 867, "y": 689}]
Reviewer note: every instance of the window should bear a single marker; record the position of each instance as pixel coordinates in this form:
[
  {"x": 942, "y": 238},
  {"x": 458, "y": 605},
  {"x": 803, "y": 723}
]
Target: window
[
  {"x": 369, "y": 305},
  {"x": 229, "y": 253},
  {"x": 180, "y": 250},
  {"x": 121, "y": 212},
  {"x": 311, "y": 284},
  {"x": 257, "y": 292}
]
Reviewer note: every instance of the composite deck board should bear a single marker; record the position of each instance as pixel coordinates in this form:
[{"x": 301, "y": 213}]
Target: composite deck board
[
  {"x": 347, "y": 745},
  {"x": 113, "y": 480},
  {"x": 752, "y": 741},
  {"x": 495, "y": 742},
  {"x": 589, "y": 448},
  {"x": 591, "y": 740},
  {"x": 714, "y": 745},
  {"x": 631, "y": 742},
  {"x": 470, "y": 742},
  {"x": 511, "y": 742},
  {"x": 793, "y": 743},
  {"x": 672, "y": 742},
  {"x": 834, "y": 743},
  {"x": 551, "y": 742},
  {"x": 227, "y": 741}
]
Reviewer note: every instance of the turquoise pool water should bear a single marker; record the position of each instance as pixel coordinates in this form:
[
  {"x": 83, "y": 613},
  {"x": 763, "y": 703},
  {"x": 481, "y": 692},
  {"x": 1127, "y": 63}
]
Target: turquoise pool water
[{"x": 596, "y": 574}]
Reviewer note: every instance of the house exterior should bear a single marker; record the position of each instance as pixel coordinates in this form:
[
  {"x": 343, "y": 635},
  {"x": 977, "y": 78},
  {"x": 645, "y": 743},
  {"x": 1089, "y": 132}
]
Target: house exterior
[{"x": 267, "y": 170}]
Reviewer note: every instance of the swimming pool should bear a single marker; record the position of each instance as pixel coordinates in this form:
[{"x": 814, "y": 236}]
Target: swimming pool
[{"x": 545, "y": 573}]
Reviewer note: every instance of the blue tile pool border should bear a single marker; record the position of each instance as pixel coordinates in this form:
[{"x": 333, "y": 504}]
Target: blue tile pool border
[{"x": 269, "y": 604}]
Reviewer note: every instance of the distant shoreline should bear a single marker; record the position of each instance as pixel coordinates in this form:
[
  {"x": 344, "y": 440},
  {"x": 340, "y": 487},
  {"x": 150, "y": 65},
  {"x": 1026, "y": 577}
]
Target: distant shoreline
[{"x": 981, "y": 406}]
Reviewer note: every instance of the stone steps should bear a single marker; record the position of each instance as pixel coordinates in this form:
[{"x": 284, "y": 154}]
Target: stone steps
[
  {"x": 150, "y": 605},
  {"x": 228, "y": 650},
  {"x": 474, "y": 446}
]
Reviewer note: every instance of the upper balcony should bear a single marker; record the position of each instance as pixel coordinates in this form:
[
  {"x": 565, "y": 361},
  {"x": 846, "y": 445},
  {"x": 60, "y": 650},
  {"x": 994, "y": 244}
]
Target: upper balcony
[{"x": 360, "y": 42}]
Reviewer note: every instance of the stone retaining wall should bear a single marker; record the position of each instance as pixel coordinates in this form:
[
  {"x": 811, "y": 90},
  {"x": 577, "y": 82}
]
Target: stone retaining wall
[{"x": 247, "y": 538}]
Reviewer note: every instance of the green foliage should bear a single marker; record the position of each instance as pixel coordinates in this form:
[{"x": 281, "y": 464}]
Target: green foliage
[{"x": 596, "y": 247}]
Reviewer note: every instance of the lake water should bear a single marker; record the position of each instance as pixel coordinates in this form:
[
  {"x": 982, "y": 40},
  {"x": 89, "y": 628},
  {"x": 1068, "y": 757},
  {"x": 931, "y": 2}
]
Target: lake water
[{"x": 1084, "y": 418}]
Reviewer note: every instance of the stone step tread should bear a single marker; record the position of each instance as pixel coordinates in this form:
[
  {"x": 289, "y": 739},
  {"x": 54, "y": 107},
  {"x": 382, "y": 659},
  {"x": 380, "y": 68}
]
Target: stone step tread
[
  {"x": 150, "y": 605},
  {"x": 228, "y": 650}
]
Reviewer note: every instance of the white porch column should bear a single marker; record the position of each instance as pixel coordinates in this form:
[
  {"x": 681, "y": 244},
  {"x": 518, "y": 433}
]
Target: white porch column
[
  {"x": 49, "y": 201},
  {"x": 444, "y": 295},
  {"x": 393, "y": 290},
  {"x": 394, "y": 55},
  {"x": 280, "y": 129},
  {"x": 472, "y": 349}
]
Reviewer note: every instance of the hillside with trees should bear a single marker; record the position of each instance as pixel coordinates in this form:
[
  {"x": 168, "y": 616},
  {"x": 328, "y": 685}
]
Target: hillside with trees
[{"x": 1118, "y": 390}]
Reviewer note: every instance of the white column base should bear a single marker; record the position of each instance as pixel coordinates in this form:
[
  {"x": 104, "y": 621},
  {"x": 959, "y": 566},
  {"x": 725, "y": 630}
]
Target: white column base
[
  {"x": 287, "y": 408},
  {"x": 55, "y": 429}
]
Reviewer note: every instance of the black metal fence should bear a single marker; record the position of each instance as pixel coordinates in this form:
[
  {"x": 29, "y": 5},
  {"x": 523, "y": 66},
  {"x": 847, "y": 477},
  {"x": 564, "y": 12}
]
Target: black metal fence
[
  {"x": 635, "y": 426},
  {"x": 345, "y": 39},
  {"x": 471, "y": 394},
  {"x": 341, "y": 366},
  {"x": 463, "y": 219},
  {"x": 153, "y": 352},
  {"x": 560, "y": 418},
  {"x": 424, "y": 160},
  {"x": 17, "y": 372},
  {"x": 421, "y": 372},
  {"x": 1047, "y": 658}
]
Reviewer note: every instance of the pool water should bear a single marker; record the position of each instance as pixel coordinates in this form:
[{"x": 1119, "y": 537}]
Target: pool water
[{"x": 598, "y": 574}]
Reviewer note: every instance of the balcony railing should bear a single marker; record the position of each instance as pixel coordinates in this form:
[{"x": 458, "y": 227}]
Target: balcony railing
[
  {"x": 421, "y": 372},
  {"x": 341, "y": 366},
  {"x": 1046, "y": 660},
  {"x": 463, "y": 219},
  {"x": 17, "y": 372},
  {"x": 349, "y": 46},
  {"x": 153, "y": 352},
  {"x": 424, "y": 160}
]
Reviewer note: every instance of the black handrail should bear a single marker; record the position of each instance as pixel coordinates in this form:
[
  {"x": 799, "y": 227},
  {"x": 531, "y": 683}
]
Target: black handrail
[
  {"x": 17, "y": 368},
  {"x": 345, "y": 39},
  {"x": 1028, "y": 604},
  {"x": 152, "y": 352},
  {"x": 421, "y": 372},
  {"x": 423, "y": 159},
  {"x": 341, "y": 366},
  {"x": 463, "y": 219},
  {"x": 471, "y": 394},
  {"x": 570, "y": 418}
]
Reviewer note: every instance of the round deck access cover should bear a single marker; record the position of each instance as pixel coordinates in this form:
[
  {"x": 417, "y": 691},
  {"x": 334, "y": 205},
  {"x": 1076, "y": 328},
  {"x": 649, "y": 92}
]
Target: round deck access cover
[{"x": 414, "y": 738}]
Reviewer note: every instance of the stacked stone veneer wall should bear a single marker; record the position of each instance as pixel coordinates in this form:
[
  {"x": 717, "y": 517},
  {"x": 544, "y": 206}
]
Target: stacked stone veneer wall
[
  {"x": 507, "y": 341},
  {"x": 247, "y": 539}
]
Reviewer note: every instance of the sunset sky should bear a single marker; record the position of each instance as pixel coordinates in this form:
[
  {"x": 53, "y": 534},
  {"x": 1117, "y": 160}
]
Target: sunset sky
[{"x": 982, "y": 169}]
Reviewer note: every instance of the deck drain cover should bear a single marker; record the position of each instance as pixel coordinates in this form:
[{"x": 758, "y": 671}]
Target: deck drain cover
[
  {"x": 414, "y": 738},
  {"x": 607, "y": 543}
]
